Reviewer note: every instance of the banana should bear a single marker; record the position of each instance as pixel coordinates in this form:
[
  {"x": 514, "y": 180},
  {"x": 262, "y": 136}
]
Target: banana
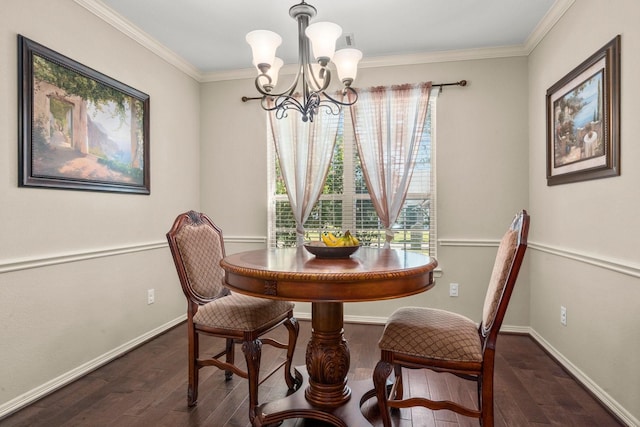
[
  {"x": 334, "y": 240},
  {"x": 347, "y": 239},
  {"x": 329, "y": 238},
  {"x": 354, "y": 240},
  {"x": 350, "y": 239}
]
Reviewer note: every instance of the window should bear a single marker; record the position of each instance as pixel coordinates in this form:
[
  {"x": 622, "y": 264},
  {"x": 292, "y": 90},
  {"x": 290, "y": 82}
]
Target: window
[{"x": 345, "y": 203}]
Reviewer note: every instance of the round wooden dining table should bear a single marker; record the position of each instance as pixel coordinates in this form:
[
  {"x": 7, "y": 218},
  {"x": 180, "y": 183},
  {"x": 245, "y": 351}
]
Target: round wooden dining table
[{"x": 293, "y": 274}]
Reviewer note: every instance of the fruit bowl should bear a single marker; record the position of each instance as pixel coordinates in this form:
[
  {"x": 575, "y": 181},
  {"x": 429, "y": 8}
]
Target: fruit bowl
[{"x": 320, "y": 250}]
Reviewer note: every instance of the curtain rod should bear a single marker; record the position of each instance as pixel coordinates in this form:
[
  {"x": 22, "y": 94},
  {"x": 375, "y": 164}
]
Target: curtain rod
[{"x": 440, "y": 85}]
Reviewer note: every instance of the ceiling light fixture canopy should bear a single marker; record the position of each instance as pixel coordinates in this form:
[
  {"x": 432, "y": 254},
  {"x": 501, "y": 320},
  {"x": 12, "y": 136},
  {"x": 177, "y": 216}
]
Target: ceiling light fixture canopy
[{"x": 316, "y": 76}]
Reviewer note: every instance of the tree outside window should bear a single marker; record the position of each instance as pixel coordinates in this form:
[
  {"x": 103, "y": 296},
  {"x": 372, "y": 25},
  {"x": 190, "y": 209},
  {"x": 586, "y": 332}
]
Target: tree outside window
[{"x": 346, "y": 205}]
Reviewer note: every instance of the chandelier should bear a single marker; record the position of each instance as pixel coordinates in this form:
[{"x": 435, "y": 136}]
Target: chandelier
[{"x": 315, "y": 76}]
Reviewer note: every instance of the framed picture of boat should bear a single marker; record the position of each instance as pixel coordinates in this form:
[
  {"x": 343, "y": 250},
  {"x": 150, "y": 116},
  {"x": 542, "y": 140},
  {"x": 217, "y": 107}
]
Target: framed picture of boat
[{"x": 583, "y": 120}]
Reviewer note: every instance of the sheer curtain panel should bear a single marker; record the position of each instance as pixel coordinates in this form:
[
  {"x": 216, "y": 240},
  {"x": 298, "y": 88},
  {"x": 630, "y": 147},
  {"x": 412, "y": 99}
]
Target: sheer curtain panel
[
  {"x": 388, "y": 124},
  {"x": 304, "y": 150}
]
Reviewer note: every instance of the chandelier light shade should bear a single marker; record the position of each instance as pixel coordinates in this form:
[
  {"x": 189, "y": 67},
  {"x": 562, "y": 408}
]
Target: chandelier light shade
[
  {"x": 314, "y": 77},
  {"x": 346, "y": 61},
  {"x": 263, "y": 46},
  {"x": 323, "y": 37}
]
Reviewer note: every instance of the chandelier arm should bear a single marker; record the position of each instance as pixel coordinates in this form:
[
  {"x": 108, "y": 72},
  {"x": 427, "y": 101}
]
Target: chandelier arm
[
  {"x": 345, "y": 90},
  {"x": 288, "y": 91},
  {"x": 288, "y": 102},
  {"x": 313, "y": 96},
  {"x": 284, "y": 103},
  {"x": 303, "y": 45},
  {"x": 330, "y": 107},
  {"x": 265, "y": 105},
  {"x": 259, "y": 86},
  {"x": 325, "y": 74}
]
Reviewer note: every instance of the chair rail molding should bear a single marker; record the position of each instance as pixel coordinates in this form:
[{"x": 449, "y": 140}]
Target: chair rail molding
[
  {"x": 245, "y": 239},
  {"x": 619, "y": 266},
  {"x": 7, "y": 266},
  {"x": 469, "y": 242}
]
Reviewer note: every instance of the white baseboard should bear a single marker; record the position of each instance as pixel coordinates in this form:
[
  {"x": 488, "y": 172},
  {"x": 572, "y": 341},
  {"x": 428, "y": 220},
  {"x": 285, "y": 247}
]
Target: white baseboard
[
  {"x": 580, "y": 376},
  {"x": 587, "y": 382},
  {"x": 39, "y": 392},
  {"x": 56, "y": 383}
]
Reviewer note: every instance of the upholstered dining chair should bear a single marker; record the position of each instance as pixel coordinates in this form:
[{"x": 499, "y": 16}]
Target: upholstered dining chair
[
  {"x": 424, "y": 338},
  {"x": 197, "y": 247}
]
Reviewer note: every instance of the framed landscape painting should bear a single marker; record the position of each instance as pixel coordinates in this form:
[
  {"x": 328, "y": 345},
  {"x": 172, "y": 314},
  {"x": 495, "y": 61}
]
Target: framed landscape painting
[
  {"x": 79, "y": 129},
  {"x": 583, "y": 120}
]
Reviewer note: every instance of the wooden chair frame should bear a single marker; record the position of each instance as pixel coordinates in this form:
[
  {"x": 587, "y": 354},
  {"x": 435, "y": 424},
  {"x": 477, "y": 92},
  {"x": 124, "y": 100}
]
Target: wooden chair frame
[
  {"x": 251, "y": 340},
  {"x": 391, "y": 396}
]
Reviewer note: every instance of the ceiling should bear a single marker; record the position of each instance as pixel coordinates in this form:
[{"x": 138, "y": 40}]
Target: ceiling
[{"x": 209, "y": 35}]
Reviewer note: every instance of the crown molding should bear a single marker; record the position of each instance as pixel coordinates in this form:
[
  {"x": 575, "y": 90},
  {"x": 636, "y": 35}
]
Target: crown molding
[
  {"x": 554, "y": 14},
  {"x": 126, "y": 27},
  {"x": 108, "y": 15},
  {"x": 386, "y": 61}
]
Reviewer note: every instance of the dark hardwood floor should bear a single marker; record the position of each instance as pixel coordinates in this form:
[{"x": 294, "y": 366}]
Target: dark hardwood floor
[{"x": 147, "y": 387}]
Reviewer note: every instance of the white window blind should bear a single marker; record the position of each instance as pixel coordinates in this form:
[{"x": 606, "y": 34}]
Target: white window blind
[{"x": 345, "y": 203}]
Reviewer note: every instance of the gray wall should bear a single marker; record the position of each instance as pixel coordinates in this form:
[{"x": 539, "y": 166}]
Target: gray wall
[
  {"x": 477, "y": 128},
  {"x": 75, "y": 266},
  {"x": 586, "y": 234}
]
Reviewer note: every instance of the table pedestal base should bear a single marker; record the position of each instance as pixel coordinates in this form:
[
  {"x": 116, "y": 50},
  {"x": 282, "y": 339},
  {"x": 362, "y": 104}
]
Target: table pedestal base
[
  {"x": 327, "y": 357},
  {"x": 297, "y": 406}
]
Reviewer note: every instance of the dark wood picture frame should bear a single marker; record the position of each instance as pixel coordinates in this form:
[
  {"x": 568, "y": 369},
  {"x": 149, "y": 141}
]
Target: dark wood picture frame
[
  {"x": 583, "y": 120},
  {"x": 78, "y": 128}
]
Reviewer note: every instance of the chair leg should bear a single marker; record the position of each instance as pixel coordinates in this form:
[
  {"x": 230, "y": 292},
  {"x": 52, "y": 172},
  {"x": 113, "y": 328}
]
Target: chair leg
[
  {"x": 252, "y": 352},
  {"x": 380, "y": 375},
  {"x": 229, "y": 358},
  {"x": 194, "y": 349},
  {"x": 294, "y": 328},
  {"x": 397, "y": 369},
  {"x": 486, "y": 418}
]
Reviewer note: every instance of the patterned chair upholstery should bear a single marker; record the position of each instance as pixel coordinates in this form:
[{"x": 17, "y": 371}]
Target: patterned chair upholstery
[
  {"x": 197, "y": 246},
  {"x": 424, "y": 338}
]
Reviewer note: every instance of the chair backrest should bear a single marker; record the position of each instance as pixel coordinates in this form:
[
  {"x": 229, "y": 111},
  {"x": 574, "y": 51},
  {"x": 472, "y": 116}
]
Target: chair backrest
[
  {"x": 503, "y": 277},
  {"x": 197, "y": 247}
]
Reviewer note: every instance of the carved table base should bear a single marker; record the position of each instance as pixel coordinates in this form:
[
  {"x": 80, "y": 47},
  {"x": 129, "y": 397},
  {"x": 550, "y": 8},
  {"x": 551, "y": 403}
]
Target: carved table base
[
  {"x": 297, "y": 406},
  {"x": 293, "y": 274},
  {"x": 326, "y": 397}
]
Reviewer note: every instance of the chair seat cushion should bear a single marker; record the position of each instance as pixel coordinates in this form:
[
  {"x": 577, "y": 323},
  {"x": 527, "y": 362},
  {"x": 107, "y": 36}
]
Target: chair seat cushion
[
  {"x": 433, "y": 334},
  {"x": 240, "y": 312}
]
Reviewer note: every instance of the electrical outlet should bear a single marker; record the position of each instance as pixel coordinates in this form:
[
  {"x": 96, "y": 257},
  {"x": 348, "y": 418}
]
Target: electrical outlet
[
  {"x": 563, "y": 315},
  {"x": 151, "y": 296},
  {"x": 453, "y": 289}
]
